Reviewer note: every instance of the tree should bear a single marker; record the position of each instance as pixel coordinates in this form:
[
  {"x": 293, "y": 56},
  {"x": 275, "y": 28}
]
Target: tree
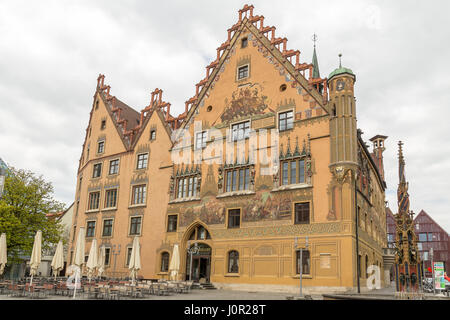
[{"x": 24, "y": 204}]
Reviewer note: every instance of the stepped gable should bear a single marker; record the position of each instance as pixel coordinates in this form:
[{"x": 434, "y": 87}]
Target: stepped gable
[{"x": 277, "y": 46}]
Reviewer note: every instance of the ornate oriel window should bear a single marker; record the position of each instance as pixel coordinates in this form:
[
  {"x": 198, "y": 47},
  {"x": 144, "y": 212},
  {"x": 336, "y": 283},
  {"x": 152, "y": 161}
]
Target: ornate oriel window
[
  {"x": 188, "y": 183},
  {"x": 233, "y": 261},
  {"x": 306, "y": 262},
  {"x": 295, "y": 167},
  {"x": 237, "y": 179}
]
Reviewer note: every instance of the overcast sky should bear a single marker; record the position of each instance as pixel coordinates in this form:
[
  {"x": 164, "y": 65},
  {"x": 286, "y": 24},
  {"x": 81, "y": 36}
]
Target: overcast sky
[{"x": 51, "y": 53}]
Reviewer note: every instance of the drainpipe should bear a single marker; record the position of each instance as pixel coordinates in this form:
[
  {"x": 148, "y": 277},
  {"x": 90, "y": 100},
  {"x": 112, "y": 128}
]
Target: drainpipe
[{"x": 358, "y": 263}]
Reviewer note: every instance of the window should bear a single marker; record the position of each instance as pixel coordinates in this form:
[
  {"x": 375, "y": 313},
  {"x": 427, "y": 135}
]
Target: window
[
  {"x": 107, "y": 228},
  {"x": 107, "y": 256},
  {"x": 139, "y": 193},
  {"x": 199, "y": 233},
  {"x": 422, "y": 237},
  {"x": 79, "y": 186},
  {"x": 419, "y": 246},
  {"x": 302, "y": 213},
  {"x": 103, "y": 126},
  {"x": 430, "y": 236},
  {"x": 306, "y": 262},
  {"x": 234, "y": 218},
  {"x": 233, "y": 262},
  {"x": 292, "y": 172},
  {"x": 94, "y": 200},
  {"x": 187, "y": 186},
  {"x": 200, "y": 140},
  {"x": 285, "y": 121},
  {"x": 425, "y": 256},
  {"x": 90, "y": 229},
  {"x": 237, "y": 179},
  {"x": 244, "y": 43},
  {"x": 129, "y": 255},
  {"x": 135, "y": 225},
  {"x": 142, "y": 160},
  {"x": 101, "y": 147},
  {"x": 74, "y": 232},
  {"x": 242, "y": 72},
  {"x": 165, "y": 262},
  {"x": 114, "y": 166},
  {"x": 367, "y": 266},
  {"x": 97, "y": 170},
  {"x": 391, "y": 237},
  {"x": 240, "y": 131},
  {"x": 153, "y": 135},
  {"x": 111, "y": 198},
  {"x": 172, "y": 223}
]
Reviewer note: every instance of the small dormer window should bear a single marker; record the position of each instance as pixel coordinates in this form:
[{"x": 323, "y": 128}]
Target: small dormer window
[
  {"x": 103, "y": 126},
  {"x": 244, "y": 43},
  {"x": 153, "y": 135},
  {"x": 101, "y": 147},
  {"x": 243, "y": 72}
]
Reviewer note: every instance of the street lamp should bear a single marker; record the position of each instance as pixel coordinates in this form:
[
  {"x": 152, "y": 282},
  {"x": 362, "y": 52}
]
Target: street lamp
[
  {"x": 115, "y": 253},
  {"x": 297, "y": 246},
  {"x": 191, "y": 251}
]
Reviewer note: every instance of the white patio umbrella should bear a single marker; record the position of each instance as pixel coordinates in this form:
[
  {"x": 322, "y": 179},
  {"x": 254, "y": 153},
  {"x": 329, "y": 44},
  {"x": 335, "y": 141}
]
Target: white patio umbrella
[
  {"x": 58, "y": 259},
  {"x": 78, "y": 259},
  {"x": 92, "y": 262},
  {"x": 3, "y": 253},
  {"x": 174, "y": 266},
  {"x": 101, "y": 261},
  {"x": 135, "y": 259},
  {"x": 35, "y": 259}
]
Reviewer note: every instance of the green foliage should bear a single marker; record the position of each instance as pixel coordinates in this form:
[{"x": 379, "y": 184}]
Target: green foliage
[{"x": 23, "y": 207}]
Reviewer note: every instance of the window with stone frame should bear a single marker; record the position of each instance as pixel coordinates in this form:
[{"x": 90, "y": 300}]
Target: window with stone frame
[
  {"x": 107, "y": 227},
  {"x": 138, "y": 195},
  {"x": 285, "y": 120},
  {"x": 165, "y": 262},
  {"x": 94, "y": 200},
  {"x": 97, "y": 172},
  {"x": 237, "y": 179},
  {"x": 244, "y": 42},
  {"x": 114, "y": 166},
  {"x": 293, "y": 171},
  {"x": 302, "y": 213},
  {"x": 187, "y": 186},
  {"x": 111, "y": 198},
  {"x": 200, "y": 139},
  {"x": 243, "y": 72},
  {"x": 90, "y": 229},
  {"x": 101, "y": 147},
  {"x": 234, "y": 218},
  {"x": 152, "y": 134},
  {"x": 172, "y": 223},
  {"x": 129, "y": 250},
  {"x": 142, "y": 161},
  {"x": 135, "y": 225},
  {"x": 306, "y": 262},
  {"x": 107, "y": 256},
  {"x": 233, "y": 261},
  {"x": 240, "y": 131}
]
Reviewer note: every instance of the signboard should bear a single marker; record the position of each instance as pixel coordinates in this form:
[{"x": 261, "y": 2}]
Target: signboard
[{"x": 439, "y": 281}]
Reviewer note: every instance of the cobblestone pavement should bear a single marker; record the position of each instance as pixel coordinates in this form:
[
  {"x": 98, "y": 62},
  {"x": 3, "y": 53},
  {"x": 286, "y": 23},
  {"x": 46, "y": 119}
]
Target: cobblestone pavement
[{"x": 196, "y": 294}]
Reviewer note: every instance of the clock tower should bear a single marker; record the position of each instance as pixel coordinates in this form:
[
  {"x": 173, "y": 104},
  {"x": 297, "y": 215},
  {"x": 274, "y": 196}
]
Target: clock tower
[{"x": 343, "y": 120}]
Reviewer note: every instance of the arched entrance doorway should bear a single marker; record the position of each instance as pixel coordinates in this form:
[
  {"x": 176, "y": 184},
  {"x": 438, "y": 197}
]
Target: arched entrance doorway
[{"x": 198, "y": 258}]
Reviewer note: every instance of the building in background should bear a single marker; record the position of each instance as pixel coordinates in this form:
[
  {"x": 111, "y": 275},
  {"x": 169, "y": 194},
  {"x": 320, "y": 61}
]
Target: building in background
[
  {"x": 432, "y": 235},
  {"x": 3, "y": 172}
]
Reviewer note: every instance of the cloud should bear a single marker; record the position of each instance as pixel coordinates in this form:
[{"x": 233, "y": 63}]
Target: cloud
[{"x": 52, "y": 52}]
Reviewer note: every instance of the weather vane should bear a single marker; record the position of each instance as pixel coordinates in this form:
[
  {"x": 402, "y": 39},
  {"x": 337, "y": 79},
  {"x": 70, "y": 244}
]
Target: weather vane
[
  {"x": 314, "y": 39},
  {"x": 340, "y": 61}
]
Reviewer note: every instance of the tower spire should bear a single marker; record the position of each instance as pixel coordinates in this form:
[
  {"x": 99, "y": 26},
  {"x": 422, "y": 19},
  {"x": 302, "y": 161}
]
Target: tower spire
[{"x": 315, "y": 62}]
